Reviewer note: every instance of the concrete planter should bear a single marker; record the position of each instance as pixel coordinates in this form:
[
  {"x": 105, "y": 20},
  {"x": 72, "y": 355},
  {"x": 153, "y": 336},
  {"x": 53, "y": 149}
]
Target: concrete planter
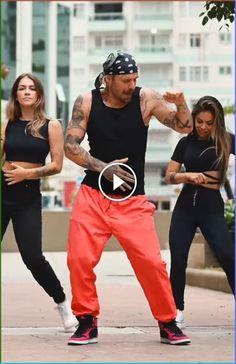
[
  {"x": 203, "y": 267},
  {"x": 55, "y": 232}
]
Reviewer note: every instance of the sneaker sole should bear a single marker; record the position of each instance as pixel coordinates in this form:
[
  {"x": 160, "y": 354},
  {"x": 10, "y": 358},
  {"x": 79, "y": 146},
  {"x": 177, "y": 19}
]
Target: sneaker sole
[
  {"x": 179, "y": 342},
  {"x": 82, "y": 342}
]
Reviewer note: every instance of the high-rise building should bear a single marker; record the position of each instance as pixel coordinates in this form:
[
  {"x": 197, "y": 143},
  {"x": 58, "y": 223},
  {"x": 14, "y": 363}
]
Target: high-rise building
[
  {"x": 173, "y": 50},
  {"x": 36, "y": 38},
  {"x": 64, "y": 43}
]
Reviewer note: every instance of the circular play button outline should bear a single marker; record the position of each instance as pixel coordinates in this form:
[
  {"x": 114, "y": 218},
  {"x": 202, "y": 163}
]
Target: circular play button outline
[{"x": 104, "y": 193}]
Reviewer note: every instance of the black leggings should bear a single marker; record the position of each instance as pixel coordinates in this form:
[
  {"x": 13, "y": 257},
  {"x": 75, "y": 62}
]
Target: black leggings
[
  {"x": 21, "y": 203},
  {"x": 203, "y": 208}
]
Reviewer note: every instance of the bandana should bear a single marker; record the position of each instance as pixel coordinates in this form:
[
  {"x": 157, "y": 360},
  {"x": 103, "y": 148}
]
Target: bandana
[{"x": 119, "y": 64}]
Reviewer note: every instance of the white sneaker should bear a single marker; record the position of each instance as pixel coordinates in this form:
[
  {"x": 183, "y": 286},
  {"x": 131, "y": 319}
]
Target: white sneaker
[
  {"x": 68, "y": 319},
  {"x": 180, "y": 319}
]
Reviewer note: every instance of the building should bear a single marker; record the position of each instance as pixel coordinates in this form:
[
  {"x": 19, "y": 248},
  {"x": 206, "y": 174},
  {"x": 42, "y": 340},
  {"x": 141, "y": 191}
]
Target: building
[
  {"x": 173, "y": 50},
  {"x": 36, "y": 38},
  {"x": 65, "y": 43}
]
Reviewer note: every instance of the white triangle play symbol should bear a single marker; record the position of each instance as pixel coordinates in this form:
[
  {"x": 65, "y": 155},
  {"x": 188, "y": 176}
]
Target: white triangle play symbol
[{"x": 117, "y": 182}]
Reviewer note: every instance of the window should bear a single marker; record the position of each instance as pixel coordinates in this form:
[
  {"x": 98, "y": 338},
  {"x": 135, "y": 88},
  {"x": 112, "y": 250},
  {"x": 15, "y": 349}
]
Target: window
[
  {"x": 182, "y": 40},
  {"x": 153, "y": 76},
  {"x": 195, "y": 73},
  {"x": 113, "y": 41},
  {"x": 199, "y": 74},
  {"x": 163, "y": 38},
  {"x": 78, "y": 43},
  {"x": 155, "y": 7},
  {"x": 225, "y": 38},
  {"x": 109, "y": 41},
  {"x": 160, "y": 40},
  {"x": 108, "y": 11},
  {"x": 195, "y": 40},
  {"x": 182, "y": 74},
  {"x": 205, "y": 74},
  {"x": 165, "y": 205},
  {"x": 78, "y": 11},
  {"x": 225, "y": 70}
]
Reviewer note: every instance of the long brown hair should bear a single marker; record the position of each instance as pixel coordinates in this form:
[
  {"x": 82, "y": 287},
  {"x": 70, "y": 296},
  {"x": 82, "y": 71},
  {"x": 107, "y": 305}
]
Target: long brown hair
[
  {"x": 220, "y": 136},
  {"x": 14, "y": 109}
]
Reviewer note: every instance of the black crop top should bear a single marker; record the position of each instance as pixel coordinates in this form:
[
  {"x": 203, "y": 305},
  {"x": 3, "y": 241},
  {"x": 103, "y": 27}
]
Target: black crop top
[
  {"x": 198, "y": 155},
  {"x": 23, "y": 147}
]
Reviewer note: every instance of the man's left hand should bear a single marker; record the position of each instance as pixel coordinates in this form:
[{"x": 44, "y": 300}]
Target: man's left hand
[{"x": 176, "y": 98}]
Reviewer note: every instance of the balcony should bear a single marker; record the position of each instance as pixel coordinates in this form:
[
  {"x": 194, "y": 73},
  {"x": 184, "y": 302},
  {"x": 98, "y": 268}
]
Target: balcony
[
  {"x": 152, "y": 53},
  {"x": 158, "y": 154},
  {"x": 96, "y": 56},
  {"x": 111, "y": 22},
  {"x": 143, "y": 22}
]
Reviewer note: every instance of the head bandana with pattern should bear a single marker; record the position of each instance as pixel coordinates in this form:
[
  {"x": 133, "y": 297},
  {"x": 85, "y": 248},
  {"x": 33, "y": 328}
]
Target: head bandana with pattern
[{"x": 120, "y": 64}]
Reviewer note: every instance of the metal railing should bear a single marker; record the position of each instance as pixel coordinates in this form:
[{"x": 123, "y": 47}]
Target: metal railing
[{"x": 106, "y": 16}]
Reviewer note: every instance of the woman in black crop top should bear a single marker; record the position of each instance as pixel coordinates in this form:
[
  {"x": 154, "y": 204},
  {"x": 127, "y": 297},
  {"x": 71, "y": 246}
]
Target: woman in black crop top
[
  {"x": 27, "y": 138},
  {"x": 204, "y": 154}
]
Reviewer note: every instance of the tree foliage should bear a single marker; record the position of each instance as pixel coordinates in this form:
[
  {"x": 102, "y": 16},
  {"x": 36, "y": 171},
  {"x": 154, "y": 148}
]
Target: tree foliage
[
  {"x": 229, "y": 109},
  {"x": 219, "y": 10}
]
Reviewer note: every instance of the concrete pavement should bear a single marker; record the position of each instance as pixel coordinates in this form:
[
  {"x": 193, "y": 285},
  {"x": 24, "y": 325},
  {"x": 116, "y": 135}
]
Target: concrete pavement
[{"x": 31, "y": 329}]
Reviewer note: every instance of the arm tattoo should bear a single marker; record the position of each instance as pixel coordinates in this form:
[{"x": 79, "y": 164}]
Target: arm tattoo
[
  {"x": 143, "y": 102},
  {"x": 145, "y": 98},
  {"x": 77, "y": 115},
  {"x": 85, "y": 160},
  {"x": 173, "y": 120},
  {"x": 182, "y": 108},
  {"x": 170, "y": 121},
  {"x": 157, "y": 96},
  {"x": 72, "y": 144},
  {"x": 183, "y": 125}
]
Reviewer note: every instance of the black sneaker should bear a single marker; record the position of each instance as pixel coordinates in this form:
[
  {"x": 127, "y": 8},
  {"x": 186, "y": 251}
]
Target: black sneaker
[
  {"x": 171, "y": 334},
  {"x": 87, "y": 331}
]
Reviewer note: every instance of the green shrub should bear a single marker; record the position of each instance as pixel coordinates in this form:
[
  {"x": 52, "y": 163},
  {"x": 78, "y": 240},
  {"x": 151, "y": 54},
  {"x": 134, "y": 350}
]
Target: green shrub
[{"x": 230, "y": 216}]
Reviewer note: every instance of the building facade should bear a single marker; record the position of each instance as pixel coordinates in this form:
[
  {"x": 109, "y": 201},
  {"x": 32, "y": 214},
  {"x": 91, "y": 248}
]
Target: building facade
[
  {"x": 36, "y": 39},
  {"x": 64, "y": 43},
  {"x": 173, "y": 50}
]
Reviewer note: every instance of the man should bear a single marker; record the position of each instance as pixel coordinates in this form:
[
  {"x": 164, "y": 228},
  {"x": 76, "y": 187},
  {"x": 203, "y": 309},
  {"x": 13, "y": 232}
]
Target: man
[{"x": 116, "y": 119}]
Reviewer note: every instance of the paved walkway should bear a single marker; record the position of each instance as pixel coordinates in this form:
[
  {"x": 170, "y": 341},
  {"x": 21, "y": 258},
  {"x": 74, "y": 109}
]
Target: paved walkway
[{"x": 127, "y": 330}]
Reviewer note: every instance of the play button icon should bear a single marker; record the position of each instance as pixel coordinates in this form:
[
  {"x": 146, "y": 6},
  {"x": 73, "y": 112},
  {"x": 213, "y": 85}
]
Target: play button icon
[{"x": 117, "y": 182}]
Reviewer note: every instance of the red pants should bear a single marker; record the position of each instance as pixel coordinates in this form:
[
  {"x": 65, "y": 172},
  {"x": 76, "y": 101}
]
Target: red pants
[{"x": 93, "y": 220}]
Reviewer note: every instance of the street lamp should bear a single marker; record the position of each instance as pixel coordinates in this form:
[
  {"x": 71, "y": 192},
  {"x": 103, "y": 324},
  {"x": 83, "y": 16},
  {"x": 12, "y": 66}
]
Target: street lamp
[{"x": 153, "y": 36}]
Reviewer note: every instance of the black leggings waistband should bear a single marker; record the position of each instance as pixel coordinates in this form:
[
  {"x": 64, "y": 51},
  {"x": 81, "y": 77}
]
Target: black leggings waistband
[
  {"x": 22, "y": 190},
  {"x": 200, "y": 197}
]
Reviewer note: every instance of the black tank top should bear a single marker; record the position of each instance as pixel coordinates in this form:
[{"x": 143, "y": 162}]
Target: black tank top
[
  {"x": 23, "y": 147},
  {"x": 115, "y": 134}
]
